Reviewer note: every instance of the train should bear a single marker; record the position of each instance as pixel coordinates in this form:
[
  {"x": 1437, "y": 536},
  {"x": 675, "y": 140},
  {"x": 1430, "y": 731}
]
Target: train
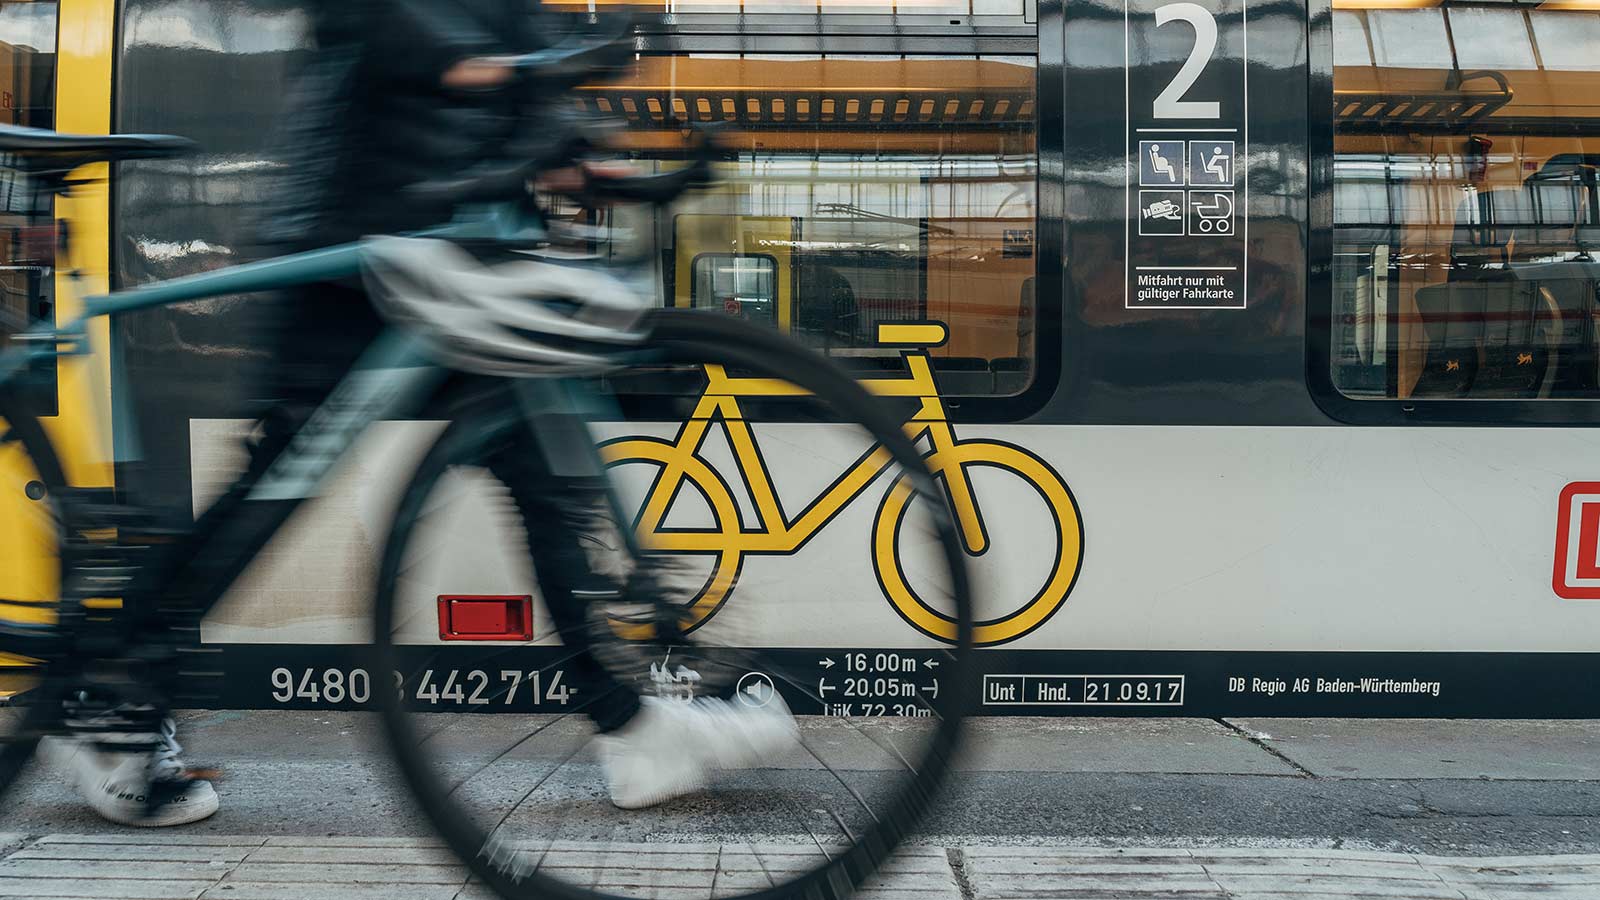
[{"x": 1290, "y": 307}]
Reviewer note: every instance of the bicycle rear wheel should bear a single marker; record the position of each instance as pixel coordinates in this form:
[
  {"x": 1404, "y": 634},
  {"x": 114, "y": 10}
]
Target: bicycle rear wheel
[
  {"x": 31, "y": 572},
  {"x": 518, "y": 796}
]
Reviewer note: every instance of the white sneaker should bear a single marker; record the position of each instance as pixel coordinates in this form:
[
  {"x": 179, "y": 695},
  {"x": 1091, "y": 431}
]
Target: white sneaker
[
  {"x": 667, "y": 748},
  {"x": 118, "y": 784}
]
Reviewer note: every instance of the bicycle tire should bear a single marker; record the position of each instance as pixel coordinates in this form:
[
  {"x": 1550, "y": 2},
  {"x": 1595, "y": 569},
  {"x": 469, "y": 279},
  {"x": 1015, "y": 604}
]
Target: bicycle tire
[
  {"x": 1055, "y": 496},
  {"x": 702, "y": 337},
  {"x": 18, "y": 739}
]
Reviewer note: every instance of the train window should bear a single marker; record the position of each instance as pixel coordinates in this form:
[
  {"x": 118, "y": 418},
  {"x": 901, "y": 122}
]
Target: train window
[
  {"x": 743, "y": 286},
  {"x": 1466, "y": 201},
  {"x": 27, "y": 225},
  {"x": 856, "y": 190},
  {"x": 1014, "y": 8}
]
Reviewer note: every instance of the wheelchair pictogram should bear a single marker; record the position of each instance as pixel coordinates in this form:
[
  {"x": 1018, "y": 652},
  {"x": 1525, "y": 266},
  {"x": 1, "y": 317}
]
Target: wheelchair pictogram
[{"x": 729, "y": 542}]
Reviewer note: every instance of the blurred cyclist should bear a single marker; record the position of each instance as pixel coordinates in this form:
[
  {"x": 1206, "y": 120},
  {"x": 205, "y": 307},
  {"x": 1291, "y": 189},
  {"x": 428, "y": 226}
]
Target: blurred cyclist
[{"x": 402, "y": 92}]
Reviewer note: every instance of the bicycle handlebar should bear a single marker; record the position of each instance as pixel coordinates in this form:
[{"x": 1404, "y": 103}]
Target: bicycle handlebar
[
  {"x": 661, "y": 189},
  {"x": 580, "y": 60},
  {"x": 498, "y": 181},
  {"x": 561, "y": 68}
]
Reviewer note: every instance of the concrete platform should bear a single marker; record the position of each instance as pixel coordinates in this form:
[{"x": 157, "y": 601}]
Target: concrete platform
[
  {"x": 1182, "y": 746},
  {"x": 1223, "y": 874},
  {"x": 171, "y": 866},
  {"x": 1435, "y": 788},
  {"x": 1523, "y": 749}
]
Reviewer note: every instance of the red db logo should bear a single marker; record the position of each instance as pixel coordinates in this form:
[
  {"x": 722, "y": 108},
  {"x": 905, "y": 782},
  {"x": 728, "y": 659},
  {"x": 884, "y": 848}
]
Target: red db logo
[{"x": 1577, "y": 575}]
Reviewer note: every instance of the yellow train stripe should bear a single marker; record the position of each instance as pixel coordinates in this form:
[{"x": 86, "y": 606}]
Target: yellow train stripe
[
  {"x": 914, "y": 334},
  {"x": 82, "y": 432}
]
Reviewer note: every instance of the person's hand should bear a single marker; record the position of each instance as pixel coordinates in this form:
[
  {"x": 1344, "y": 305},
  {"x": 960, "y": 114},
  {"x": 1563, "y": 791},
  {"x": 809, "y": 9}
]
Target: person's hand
[
  {"x": 478, "y": 73},
  {"x": 565, "y": 180},
  {"x": 611, "y": 169},
  {"x": 573, "y": 179}
]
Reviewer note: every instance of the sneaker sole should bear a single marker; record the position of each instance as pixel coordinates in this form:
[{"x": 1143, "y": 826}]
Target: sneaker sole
[{"x": 187, "y": 814}]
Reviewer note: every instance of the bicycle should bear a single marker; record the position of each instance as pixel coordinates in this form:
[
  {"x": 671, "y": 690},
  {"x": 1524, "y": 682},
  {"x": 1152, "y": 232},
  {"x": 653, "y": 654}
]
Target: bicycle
[
  {"x": 60, "y": 632},
  {"x": 727, "y": 540}
]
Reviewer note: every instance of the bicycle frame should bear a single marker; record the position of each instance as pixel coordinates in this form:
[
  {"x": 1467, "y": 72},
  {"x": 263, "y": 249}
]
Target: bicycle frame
[
  {"x": 729, "y": 542},
  {"x": 393, "y": 379},
  {"x": 494, "y": 223},
  {"x": 780, "y": 534}
]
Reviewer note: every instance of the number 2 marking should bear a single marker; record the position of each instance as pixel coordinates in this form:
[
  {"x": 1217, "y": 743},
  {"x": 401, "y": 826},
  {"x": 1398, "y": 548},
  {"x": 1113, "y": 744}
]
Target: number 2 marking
[
  {"x": 1168, "y": 105},
  {"x": 481, "y": 679}
]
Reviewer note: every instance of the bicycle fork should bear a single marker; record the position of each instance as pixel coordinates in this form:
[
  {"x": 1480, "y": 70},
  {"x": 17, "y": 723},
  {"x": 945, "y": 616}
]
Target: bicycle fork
[{"x": 944, "y": 461}]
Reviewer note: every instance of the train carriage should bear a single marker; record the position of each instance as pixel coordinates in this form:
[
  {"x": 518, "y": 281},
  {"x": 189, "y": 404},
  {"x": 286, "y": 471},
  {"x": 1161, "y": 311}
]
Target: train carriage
[{"x": 1264, "y": 334}]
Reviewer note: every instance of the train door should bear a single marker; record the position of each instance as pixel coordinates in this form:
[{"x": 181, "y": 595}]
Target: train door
[{"x": 46, "y": 82}]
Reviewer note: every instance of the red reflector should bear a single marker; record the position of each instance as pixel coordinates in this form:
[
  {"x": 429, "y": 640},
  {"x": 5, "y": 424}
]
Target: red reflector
[{"x": 478, "y": 617}]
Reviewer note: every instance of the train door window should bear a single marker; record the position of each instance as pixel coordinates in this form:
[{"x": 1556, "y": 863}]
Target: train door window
[
  {"x": 27, "y": 225},
  {"x": 754, "y": 8},
  {"x": 743, "y": 286},
  {"x": 1466, "y": 201},
  {"x": 857, "y": 190}
]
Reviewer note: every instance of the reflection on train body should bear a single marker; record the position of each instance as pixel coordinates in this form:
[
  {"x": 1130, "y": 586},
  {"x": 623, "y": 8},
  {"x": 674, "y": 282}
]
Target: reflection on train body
[{"x": 860, "y": 190}]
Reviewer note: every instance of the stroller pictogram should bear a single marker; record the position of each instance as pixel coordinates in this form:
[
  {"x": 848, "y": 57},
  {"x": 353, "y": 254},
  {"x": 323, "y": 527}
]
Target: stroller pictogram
[{"x": 1213, "y": 212}]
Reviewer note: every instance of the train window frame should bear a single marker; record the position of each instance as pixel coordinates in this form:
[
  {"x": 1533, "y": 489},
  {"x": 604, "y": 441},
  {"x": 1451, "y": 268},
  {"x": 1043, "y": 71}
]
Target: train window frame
[
  {"x": 767, "y": 258},
  {"x": 39, "y": 390},
  {"x": 1045, "y": 46},
  {"x": 1321, "y": 288}
]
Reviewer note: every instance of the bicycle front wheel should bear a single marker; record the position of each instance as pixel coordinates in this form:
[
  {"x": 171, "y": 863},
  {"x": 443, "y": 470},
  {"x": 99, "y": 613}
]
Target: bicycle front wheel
[{"x": 723, "y": 421}]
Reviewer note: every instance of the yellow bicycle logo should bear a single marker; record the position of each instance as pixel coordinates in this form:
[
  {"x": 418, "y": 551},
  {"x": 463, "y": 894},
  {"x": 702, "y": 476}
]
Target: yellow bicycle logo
[{"x": 950, "y": 458}]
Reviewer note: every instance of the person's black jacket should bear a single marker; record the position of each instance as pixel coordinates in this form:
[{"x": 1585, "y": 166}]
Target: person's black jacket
[{"x": 367, "y": 116}]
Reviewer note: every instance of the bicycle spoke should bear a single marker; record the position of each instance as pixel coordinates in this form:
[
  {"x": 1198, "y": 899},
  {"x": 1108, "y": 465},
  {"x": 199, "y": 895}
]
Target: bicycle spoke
[
  {"x": 848, "y": 720},
  {"x": 489, "y": 839},
  {"x": 506, "y": 752},
  {"x": 814, "y": 755},
  {"x": 519, "y": 742},
  {"x": 498, "y": 654},
  {"x": 800, "y": 816},
  {"x": 533, "y": 640},
  {"x": 843, "y": 826},
  {"x": 528, "y": 792},
  {"x": 536, "y": 785},
  {"x": 442, "y": 728},
  {"x": 424, "y": 666},
  {"x": 498, "y": 693},
  {"x": 887, "y": 748},
  {"x": 840, "y": 778},
  {"x": 756, "y": 855}
]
